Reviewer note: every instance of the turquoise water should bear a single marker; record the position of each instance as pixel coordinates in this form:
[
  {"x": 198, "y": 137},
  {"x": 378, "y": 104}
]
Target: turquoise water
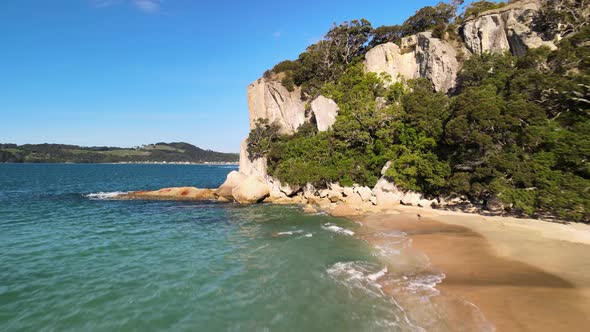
[{"x": 70, "y": 261}]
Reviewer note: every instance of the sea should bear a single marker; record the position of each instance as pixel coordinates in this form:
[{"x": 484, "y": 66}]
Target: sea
[{"x": 72, "y": 258}]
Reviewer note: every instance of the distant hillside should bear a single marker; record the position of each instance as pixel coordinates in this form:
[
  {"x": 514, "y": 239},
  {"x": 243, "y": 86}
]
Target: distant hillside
[{"x": 159, "y": 152}]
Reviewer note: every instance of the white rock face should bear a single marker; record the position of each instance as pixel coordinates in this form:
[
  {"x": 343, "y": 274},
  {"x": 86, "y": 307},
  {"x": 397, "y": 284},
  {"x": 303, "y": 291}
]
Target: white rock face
[
  {"x": 485, "y": 34},
  {"x": 520, "y": 36},
  {"x": 506, "y": 28},
  {"x": 364, "y": 192},
  {"x": 421, "y": 56},
  {"x": 274, "y": 188},
  {"x": 408, "y": 43},
  {"x": 325, "y": 111},
  {"x": 387, "y": 194},
  {"x": 411, "y": 198},
  {"x": 387, "y": 58},
  {"x": 437, "y": 61},
  {"x": 251, "y": 190},
  {"x": 426, "y": 203},
  {"x": 348, "y": 191},
  {"x": 354, "y": 200},
  {"x": 335, "y": 186},
  {"x": 256, "y": 167},
  {"x": 269, "y": 99},
  {"x": 233, "y": 179},
  {"x": 279, "y": 190}
]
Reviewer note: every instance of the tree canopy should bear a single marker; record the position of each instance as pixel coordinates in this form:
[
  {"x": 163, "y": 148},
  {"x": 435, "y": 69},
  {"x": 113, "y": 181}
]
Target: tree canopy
[{"x": 515, "y": 129}]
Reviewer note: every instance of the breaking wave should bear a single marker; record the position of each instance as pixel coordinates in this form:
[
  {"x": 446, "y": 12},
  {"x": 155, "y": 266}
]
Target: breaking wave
[
  {"x": 336, "y": 229},
  {"x": 105, "y": 195}
]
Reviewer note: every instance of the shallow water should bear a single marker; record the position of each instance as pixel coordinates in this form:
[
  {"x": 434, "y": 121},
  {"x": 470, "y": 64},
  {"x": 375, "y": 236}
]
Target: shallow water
[{"x": 74, "y": 261}]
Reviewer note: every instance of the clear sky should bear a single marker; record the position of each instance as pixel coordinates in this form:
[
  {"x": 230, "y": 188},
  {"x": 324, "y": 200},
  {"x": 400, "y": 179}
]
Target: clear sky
[{"x": 132, "y": 72}]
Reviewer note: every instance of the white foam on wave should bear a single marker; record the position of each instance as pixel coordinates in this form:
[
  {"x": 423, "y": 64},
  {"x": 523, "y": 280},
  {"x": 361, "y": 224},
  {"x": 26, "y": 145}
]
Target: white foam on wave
[
  {"x": 336, "y": 229},
  {"x": 369, "y": 278},
  {"x": 423, "y": 284},
  {"x": 359, "y": 275},
  {"x": 106, "y": 195},
  {"x": 386, "y": 251},
  {"x": 375, "y": 276},
  {"x": 290, "y": 232},
  {"x": 308, "y": 235}
]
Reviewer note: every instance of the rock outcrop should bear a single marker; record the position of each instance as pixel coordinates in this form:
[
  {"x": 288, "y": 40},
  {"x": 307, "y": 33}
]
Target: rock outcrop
[
  {"x": 387, "y": 194},
  {"x": 269, "y": 99},
  {"x": 233, "y": 179},
  {"x": 437, "y": 61},
  {"x": 250, "y": 190},
  {"x": 417, "y": 56},
  {"x": 176, "y": 193},
  {"x": 280, "y": 191},
  {"x": 325, "y": 111},
  {"x": 506, "y": 28},
  {"x": 388, "y": 58},
  {"x": 256, "y": 167},
  {"x": 421, "y": 55}
]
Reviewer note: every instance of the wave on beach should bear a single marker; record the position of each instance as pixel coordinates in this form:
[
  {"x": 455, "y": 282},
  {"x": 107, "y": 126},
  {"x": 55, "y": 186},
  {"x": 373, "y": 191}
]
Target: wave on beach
[
  {"x": 290, "y": 232},
  {"x": 336, "y": 229},
  {"x": 105, "y": 195},
  {"x": 359, "y": 275},
  {"x": 424, "y": 284}
]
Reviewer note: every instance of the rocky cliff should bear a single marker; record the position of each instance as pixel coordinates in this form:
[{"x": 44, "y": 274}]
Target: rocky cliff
[
  {"x": 506, "y": 28},
  {"x": 269, "y": 99},
  {"x": 509, "y": 28},
  {"x": 418, "y": 56}
]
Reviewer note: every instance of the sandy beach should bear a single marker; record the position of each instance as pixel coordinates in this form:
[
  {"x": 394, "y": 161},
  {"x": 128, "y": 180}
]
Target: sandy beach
[{"x": 520, "y": 274}]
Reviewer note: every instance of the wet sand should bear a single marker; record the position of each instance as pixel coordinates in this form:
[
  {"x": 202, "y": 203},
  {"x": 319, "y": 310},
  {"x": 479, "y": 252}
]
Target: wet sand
[{"x": 522, "y": 275}]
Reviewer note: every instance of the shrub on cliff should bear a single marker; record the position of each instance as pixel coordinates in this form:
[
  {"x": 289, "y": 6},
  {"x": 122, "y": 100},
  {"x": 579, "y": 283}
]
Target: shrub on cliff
[
  {"x": 367, "y": 134},
  {"x": 429, "y": 17},
  {"x": 515, "y": 129},
  {"x": 260, "y": 139},
  {"x": 562, "y": 17},
  {"x": 477, "y": 7},
  {"x": 436, "y": 18},
  {"x": 520, "y": 130},
  {"x": 326, "y": 60}
]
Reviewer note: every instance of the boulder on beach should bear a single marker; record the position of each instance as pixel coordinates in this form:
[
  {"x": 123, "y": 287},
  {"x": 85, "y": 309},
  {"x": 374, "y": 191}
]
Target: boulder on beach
[
  {"x": 345, "y": 210},
  {"x": 364, "y": 192},
  {"x": 250, "y": 190},
  {"x": 233, "y": 179}
]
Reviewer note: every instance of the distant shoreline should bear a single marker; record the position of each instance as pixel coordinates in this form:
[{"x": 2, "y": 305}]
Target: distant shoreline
[
  {"x": 136, "y": 163},
  {"x": 158, "y": 153}
]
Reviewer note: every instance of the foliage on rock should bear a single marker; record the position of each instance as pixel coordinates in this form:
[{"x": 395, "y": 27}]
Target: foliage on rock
[
  {"x": 514, "y": 132},
  {"x": 260, "y": 139}
]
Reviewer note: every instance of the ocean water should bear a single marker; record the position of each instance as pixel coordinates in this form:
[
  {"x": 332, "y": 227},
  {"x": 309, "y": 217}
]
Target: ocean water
[{"x": 71, "y": 259}]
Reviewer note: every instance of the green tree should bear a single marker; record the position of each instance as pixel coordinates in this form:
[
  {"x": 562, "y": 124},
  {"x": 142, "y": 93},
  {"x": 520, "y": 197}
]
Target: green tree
[
  {"x": 427, "y": 18},
  {"x": 260, "y": 139}
]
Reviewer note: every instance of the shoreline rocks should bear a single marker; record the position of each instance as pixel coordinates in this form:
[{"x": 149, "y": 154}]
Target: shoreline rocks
[
  {"x": 175, "y": 193},
  {"x": 335, "y": 200},
  {"x": 233, "y": 179},
  {"x": 250, "y": 190}
]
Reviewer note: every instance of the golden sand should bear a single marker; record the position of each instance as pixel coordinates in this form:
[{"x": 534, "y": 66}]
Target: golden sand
[{"x": 523, "y": 275}]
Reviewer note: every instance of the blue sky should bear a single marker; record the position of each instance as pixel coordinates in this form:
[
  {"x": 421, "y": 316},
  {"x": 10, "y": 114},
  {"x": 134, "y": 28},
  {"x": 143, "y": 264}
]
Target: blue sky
[{"x": 132, "y": 72}]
